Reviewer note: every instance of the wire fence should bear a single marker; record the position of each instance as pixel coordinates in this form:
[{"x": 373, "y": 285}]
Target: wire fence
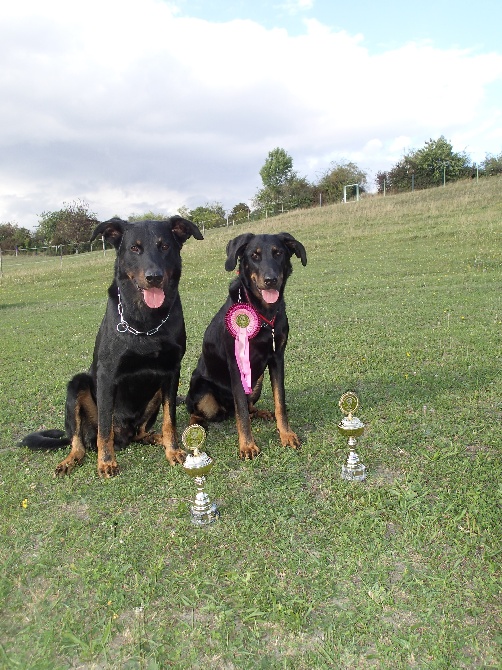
[{"x": 21, "y": 257}]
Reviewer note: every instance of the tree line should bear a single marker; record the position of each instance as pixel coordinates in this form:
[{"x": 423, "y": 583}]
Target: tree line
[{"x": 282, "y": 189}]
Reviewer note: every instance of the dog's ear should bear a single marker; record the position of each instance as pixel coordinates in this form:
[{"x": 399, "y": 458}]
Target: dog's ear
[
  {"x": 235, "y": 248},
  {"x": 294, "y": 247},
  {"x": 183, "y": 229},
  {"x": 112, "y": 230}
]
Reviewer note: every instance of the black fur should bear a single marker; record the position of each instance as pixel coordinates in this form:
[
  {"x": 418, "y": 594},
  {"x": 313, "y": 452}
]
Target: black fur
[
  {"x": 135, "y": 371},
  {"x": 216, "y": 389}
]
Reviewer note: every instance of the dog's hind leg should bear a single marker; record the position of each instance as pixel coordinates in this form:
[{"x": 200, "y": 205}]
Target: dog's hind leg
[{"x": 81, "y": 421}]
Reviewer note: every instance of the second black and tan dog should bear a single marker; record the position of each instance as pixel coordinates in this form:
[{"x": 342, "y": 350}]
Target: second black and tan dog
[{"x": 217, "y": 388}]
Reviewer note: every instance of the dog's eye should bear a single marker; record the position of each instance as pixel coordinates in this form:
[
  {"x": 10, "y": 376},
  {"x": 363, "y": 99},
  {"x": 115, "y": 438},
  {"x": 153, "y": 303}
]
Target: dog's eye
[
  {"x": 277, "y": 253},
  {"x": 135, "y": 249},
  {"x": 164, "y": 247},
  {"x": 255, "y": 255}
]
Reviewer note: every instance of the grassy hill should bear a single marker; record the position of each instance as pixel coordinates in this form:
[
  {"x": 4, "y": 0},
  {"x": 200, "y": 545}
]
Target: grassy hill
[{"x": 400, "y": 302}]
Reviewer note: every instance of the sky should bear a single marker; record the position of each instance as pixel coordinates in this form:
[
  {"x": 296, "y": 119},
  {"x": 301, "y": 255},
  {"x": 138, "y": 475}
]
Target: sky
[{"x": 151, "y": 105}]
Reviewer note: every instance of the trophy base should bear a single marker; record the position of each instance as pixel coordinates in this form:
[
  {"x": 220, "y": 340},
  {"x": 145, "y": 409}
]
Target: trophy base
[
  {"x": 354, "y": 474},
  {"x": 204, "y": 517}
]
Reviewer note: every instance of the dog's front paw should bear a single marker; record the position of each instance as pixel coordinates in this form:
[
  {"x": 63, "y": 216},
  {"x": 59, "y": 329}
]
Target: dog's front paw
[
  {"x": 108, "y": 469},
  {"x": 175, "y": 456},
  {"x": 249, "y": 451},
  {"x": 290, "y": 439},
  {"x": 66, "y": 466}
]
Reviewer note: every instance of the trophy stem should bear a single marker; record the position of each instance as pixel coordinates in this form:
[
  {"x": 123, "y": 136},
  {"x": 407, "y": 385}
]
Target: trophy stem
[
  {"x": 353, "y": 470},
  {"x": 203, "y": 511}
]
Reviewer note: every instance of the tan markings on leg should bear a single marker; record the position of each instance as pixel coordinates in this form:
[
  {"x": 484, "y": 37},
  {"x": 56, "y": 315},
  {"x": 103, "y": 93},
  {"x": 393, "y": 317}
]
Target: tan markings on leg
[
  {"x": 247, "y": 446},
  {"x": 107, "y": 465},
  {"x": 74, "y": 458},
  {"x": 287, "y": 436},
  {"x": 83, "y": 403},
  {"x": 169, "y": 438}
]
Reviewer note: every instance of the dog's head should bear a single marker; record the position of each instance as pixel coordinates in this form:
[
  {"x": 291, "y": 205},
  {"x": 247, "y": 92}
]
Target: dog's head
[
  {"x": 148, "y": 254},
  {"x": 264, "y": 262}
]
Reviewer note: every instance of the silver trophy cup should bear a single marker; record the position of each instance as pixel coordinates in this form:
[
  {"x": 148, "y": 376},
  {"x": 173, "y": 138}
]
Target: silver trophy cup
[
  {"x": 352, "y": 428},
  {"x": 197, "y": 466}
]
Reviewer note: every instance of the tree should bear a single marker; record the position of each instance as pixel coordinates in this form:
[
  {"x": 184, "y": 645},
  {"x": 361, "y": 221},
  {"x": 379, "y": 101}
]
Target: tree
[
  {"x": 432, "y": 165},
  {"x": 437, "y": 163},
  {"x": 282, "y": 188},
  {"x": 331, "y": 183},
  {"x": 239, "y": 213},
  {"x": 277, "y": 169},
  {"x": 297, "y": 192},
  {"x": 211, "y": 215},
  {"x": 492, "y": 165},
  {"x": 12, "y": 236},
  {"x": 71, "y": 225},
  {"x": 147, "y": 216}
]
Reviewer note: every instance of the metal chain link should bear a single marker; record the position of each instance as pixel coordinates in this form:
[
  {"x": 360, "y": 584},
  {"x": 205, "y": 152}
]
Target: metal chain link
[{"x": 124, "y": 327}]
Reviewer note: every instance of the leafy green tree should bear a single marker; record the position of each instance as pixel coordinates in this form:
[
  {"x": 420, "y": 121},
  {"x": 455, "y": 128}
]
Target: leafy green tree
[
  {"x": 282, "y": 188},
  {"x": 212, "y": 215},
  {"x": 239, "y": 213},
  {"x": 331, "y": 183},
  {"x": 12, "y": 236},
  {"x": 277, "y": 169},
  {"x": 71, "y": 225},
  {"x": 147, "y": 216},
  {"x": 437, "y": 162},
  {"x": 382, "y": 181},
  {"x": 432, "y": 165},
  {"x": 276, "y": 173},
  {"x": 297, "y": 192},
  {"x": 492, "y": 165},
  {"x": 401, "y": 177}
]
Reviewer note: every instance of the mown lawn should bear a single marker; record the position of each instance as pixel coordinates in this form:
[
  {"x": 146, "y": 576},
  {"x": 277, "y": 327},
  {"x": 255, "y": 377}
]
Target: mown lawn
[{"x": 400, "y": 302}]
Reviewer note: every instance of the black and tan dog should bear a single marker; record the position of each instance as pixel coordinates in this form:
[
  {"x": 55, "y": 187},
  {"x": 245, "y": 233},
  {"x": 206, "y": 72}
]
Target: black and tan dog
[
  {"x": 216, "y": 387},
  {"x": 138, "y": 351}
]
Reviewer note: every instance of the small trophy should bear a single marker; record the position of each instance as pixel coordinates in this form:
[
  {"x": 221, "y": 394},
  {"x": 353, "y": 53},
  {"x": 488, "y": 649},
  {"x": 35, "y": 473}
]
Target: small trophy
[
  {"x": 197, "y": 466},
  {"x": 352, "y": 428}
]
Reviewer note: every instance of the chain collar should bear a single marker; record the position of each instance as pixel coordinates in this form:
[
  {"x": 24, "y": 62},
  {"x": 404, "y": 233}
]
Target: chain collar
[{"x": 124, "y": 327}]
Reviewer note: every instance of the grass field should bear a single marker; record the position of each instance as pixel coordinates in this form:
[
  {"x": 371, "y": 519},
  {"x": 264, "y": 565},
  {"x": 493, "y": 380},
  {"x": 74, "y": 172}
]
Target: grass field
[{"x": 401, "y": 302}]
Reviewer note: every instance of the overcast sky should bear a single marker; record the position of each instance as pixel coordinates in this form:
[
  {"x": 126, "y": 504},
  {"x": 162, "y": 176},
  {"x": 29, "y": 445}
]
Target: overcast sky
[{"x": 138, "y": 105}]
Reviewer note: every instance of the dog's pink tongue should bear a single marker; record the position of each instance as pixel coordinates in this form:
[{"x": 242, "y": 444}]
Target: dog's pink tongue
[
  {"x": 270, "y": 296},
  {"x": 154, "y": 297}
]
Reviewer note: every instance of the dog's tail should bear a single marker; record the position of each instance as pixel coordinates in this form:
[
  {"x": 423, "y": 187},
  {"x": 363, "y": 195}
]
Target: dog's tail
[{"x": 45, "y": 439}]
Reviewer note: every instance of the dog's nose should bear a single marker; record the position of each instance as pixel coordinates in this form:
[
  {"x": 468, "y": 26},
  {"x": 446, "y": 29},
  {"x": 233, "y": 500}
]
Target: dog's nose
[
  {"x": 270, "y": 281},
  {"x": 154, "y": 277}
]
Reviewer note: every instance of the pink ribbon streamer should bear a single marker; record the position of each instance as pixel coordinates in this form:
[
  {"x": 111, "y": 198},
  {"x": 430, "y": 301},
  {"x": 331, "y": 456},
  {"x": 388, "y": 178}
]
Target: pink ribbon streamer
[{"x": 242, "y": 357}]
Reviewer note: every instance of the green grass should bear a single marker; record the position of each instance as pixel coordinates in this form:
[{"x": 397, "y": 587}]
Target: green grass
[{"x": 400, "y": 302}]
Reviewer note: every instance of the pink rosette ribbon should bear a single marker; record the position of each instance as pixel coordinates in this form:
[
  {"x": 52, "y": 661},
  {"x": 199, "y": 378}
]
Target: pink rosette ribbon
[{"x": 243, "y": 323}]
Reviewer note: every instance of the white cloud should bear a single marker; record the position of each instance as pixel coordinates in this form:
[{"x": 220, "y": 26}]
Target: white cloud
[
  {"x": 296, "y": 6},
  {"x": 127, "y": 104}
]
